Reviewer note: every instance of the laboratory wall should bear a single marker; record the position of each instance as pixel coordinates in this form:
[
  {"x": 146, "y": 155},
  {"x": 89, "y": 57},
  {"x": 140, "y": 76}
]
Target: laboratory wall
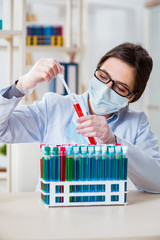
[
  {"x": 112, "y": 23},
  {"x": 153, "y": 43}
]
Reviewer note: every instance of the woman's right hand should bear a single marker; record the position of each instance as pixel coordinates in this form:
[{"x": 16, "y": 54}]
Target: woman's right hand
[{"x": 45, "y": 69}]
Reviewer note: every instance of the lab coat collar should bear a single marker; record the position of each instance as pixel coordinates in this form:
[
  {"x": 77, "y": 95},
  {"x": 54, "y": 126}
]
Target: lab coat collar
[{"x": 115, "y": 116}]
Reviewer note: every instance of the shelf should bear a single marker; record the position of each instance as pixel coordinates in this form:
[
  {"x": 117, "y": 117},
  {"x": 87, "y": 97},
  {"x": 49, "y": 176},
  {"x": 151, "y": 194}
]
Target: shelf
[
  {"x": 9, "y": 34},
  {"x": 49, "y": 47}
]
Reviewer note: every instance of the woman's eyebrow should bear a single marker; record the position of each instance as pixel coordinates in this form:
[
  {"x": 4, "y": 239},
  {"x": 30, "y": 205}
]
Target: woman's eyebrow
[{"x": 124, "y": 84}]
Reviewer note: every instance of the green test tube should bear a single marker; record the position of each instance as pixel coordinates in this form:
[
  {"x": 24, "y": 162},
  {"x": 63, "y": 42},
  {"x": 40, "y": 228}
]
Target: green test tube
[
  {"x": 1, "y": 24},
  {"x": 47, "y": 162},
  {"x": 69, "y": 163},
  {"x": 43, "y": 162}
]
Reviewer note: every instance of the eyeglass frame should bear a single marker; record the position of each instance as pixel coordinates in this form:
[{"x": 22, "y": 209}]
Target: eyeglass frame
[{"x": 113, "y": 82}]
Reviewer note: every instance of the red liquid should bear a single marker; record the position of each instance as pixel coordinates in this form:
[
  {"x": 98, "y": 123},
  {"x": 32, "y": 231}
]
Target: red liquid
[
  {"x": 41, "y": 168},
  {"x": 78, "y": 110},
  {"x": 80, "y": 114},
  {"x": 62, "y": 168}
]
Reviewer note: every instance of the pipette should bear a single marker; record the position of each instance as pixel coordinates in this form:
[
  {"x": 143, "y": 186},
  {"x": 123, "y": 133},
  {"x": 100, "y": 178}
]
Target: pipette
[{"x": 75, "y": 104}]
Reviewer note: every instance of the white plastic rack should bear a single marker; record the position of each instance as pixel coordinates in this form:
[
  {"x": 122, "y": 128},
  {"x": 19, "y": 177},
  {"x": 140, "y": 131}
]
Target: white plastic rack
[{"x": 89, "y": 193}]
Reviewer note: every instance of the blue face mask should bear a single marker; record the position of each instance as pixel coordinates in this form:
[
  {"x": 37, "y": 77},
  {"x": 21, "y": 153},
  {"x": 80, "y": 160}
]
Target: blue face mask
[{"x": 103, "y": 99}]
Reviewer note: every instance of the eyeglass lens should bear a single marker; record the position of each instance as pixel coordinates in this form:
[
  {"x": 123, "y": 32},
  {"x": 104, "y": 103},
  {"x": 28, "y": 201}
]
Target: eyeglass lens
[{"x": 117, "y": 87}]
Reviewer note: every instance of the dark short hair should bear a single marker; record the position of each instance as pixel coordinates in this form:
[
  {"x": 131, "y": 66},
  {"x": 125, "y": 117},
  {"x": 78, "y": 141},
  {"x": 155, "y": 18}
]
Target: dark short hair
[{"x": 137, "y": 57}]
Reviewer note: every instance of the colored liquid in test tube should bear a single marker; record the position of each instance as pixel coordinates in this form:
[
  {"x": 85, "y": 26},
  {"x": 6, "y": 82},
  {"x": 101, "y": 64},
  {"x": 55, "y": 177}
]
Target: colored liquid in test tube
[
  {"x": 69, "y": 163},
  {"x": 111, "y": 162},
  {"x": 69, "y": 166},
  {"x": 42, "y": 161},
  {"x": 80, "y": 114},
  {"x": 125, "y": 160},
  {"x": 55, "y": 165},
  {"x": 91, "y": 160},
  {"x": 62, "y": 163},
  {"x": 97, "y": 168},
  {"x": 76, "y": 170},
  {"x": 98, "y": 161},
  {"x": 76, "y": 105},
  {"x": 47, "y": 163},
  {"x": 62, "y": 169},
  {"x": 118, "y": 156},
  {"x": 84, "y": 163},
  {"x": 41, "y": 165},
  {"x": 84, "y": 171},
  {"x": 104, "y": 164},
  {"x": 76, "y": 163}
]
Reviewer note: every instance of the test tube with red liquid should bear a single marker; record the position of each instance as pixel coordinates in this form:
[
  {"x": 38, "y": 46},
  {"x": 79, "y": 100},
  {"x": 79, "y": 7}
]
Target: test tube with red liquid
[
  {"x": 80, "y": 114},
  {"x": 76, "y": 106}
]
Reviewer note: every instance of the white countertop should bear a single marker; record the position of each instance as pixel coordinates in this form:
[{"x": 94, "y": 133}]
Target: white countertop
[{"x": 23, "y": 217}]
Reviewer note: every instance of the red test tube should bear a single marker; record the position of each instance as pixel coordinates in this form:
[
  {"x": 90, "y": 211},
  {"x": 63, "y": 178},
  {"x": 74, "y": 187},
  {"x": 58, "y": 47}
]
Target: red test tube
[
  {"x": 80, "y": 114},
  {"x": 76, "y": 105},
  {"x": 62, "y": 163}
]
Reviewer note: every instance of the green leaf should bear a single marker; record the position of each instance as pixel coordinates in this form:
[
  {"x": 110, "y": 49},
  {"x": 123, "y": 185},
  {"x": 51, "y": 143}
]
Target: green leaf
[{"x": 3, "y": 149}]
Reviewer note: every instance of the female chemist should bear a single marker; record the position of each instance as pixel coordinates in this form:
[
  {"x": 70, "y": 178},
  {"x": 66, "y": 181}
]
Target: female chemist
[{"x": 119, "y": 79}]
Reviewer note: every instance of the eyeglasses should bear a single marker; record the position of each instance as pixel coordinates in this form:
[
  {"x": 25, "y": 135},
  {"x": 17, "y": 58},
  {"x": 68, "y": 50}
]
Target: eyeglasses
[{"x": 117, "y": 87}]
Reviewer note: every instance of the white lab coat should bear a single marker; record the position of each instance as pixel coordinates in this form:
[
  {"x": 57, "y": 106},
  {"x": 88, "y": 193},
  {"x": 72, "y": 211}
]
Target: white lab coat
[{"x": 52, "y": 121}]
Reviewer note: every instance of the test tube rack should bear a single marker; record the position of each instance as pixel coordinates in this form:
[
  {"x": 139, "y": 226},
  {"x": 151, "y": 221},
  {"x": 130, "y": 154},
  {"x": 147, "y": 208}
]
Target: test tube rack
[
  {"x": 111, "y": 193},
  {"x": 111, "y": 190}
]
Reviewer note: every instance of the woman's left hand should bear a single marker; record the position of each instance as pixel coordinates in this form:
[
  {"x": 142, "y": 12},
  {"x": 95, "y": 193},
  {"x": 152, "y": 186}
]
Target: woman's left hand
[{"x": 95, "y": 126}]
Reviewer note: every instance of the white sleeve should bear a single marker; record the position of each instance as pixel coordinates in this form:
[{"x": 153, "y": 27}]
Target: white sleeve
[
  {"x": 144, "y": 158},
  {"x": 22, "y": 123}
]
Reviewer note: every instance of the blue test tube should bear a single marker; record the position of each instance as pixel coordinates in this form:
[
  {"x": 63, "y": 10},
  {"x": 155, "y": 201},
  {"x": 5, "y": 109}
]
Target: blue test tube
[
  {"x": 121, "y": 167},
  {"x": 76, "y": 169},
  {"x": 97, "y": 168},
  {"x": 47, "y": 162},
  {"x": 118, "y": 156},
  {"x": 91, "y": 160},
  {"x": 91, "y": 157},
  {"x": 84, "y": 170},
  {"x": 98, "y": 157},
  {"x": 111, "y": 162},
  {"x": 55, "y": 165},
  {"x": 125, "y": 160},
  {"x": 107, "y": 165},
  {"x": 104, "y": 165},
  {"x": 76, "y": 163},
  {"x": 84, "y": 163},
  {"x": 104, "y": 162}
]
